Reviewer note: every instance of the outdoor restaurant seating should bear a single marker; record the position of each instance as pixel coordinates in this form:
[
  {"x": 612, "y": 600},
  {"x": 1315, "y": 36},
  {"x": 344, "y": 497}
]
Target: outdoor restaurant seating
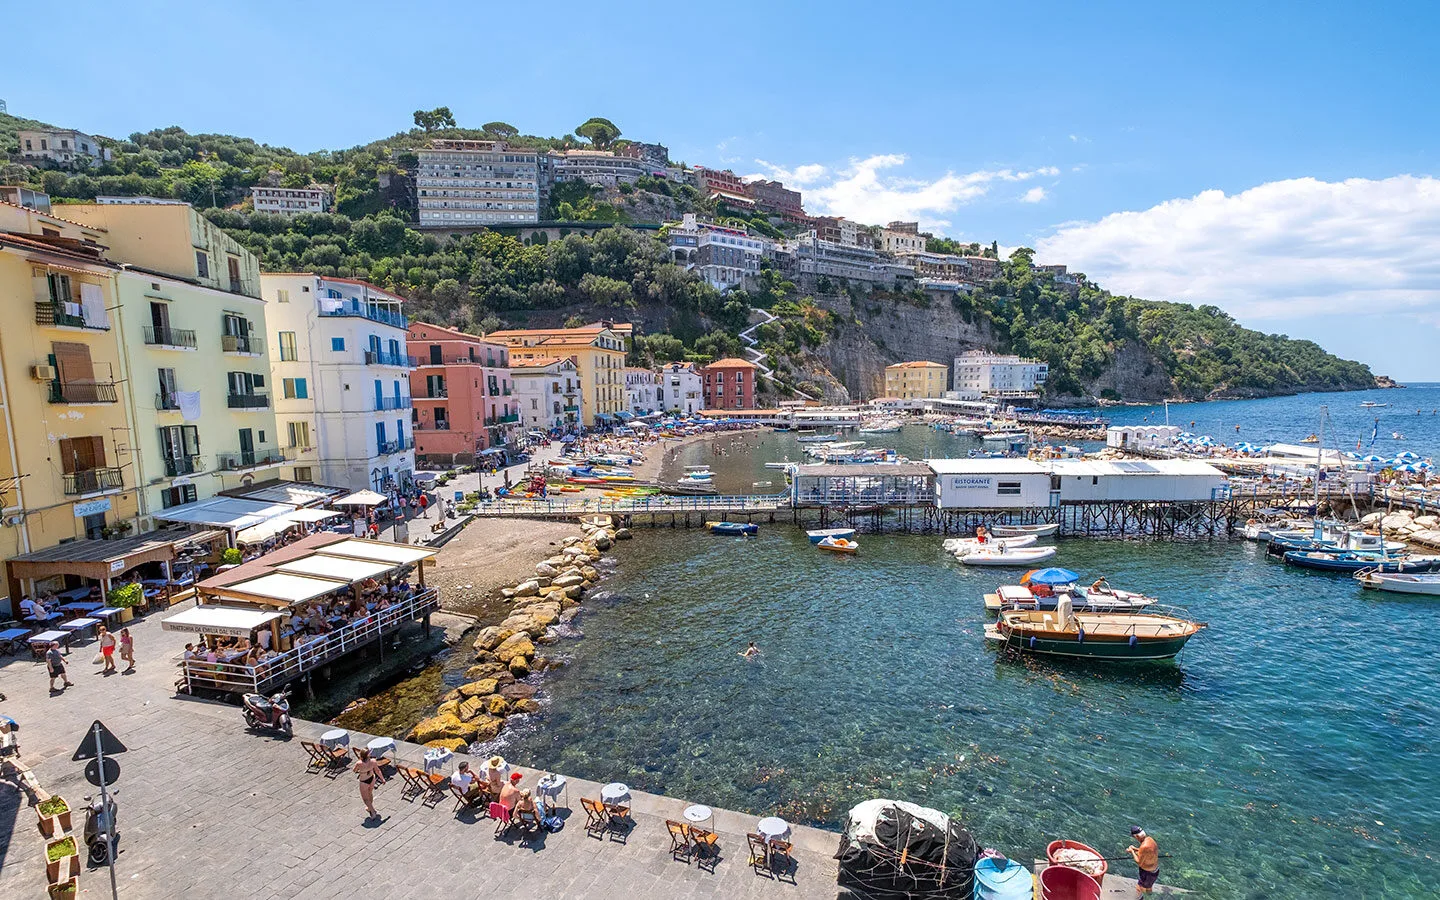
[
  {"x": 759, "y": 852},
  {"x": 781, "y": 861},
  {"x": 415, "y": 782},
  {"x": 597, "y": 817},
  {"x": 707, "y": 846},
  {"x": 679, "y": 839}
]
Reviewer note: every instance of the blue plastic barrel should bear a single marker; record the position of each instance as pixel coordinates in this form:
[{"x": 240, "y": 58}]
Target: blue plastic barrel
[{"x": 1012, "y": 882}]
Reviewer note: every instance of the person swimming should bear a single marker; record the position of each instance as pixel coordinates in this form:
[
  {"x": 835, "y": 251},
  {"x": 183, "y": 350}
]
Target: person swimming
[{"x": 751, "y": 651}]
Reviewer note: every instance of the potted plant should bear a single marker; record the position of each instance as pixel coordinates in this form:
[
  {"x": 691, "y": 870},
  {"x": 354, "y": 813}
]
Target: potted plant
[
  {"x": 62, "y": 861},
  {"x": 54, "y": 816},
  {"x": 65, "y": 890},
  {"x": 231, "y": 557},
  {"x": 125, "y": 598}
]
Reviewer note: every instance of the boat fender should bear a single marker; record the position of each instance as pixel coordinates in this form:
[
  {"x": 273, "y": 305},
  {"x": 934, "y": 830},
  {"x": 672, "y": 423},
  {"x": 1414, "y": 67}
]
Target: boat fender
[
  {"x": 1134, "y": 641},
  {"x": 1032, "y": 642},
  {"x": 1080, "y": 635}
]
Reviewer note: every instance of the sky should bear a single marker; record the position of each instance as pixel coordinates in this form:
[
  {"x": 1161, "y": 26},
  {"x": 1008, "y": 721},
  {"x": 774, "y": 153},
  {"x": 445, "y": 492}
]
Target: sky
[{"x": 1277, "y": 160}]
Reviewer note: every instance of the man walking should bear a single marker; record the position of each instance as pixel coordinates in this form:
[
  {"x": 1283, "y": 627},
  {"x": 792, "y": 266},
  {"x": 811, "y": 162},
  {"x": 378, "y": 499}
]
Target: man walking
[
  {"x": 1147, "y": 857},
  {"x": 55, "y": 663}
]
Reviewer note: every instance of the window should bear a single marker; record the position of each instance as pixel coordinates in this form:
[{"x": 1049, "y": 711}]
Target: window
[
  {"x": 96, "y": 523},
  {"x": 1007, "y": 488},
  {"x": 233, "y": 264},
  {"x": 59, "y": 284},
  {"x": 379, "y": 434},
  {"x": 302, "y": 473},
  {"x": 177, "y": 496},
  {"x": 282, "y": 295},
  {"x": 295, "y": 388},
  {"x": 337, "y": 344},
  {"x": 202, "y": 264},
  {"x": 299, "y": 433},
  {"x": 287, "y": 346}
]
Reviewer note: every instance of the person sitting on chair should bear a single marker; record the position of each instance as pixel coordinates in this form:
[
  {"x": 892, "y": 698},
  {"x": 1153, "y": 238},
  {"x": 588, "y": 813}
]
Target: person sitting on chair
[{"x": 466, "y": 782}]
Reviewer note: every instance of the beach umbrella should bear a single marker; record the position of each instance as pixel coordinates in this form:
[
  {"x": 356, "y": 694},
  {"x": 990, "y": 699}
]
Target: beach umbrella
[
  {"x": 1186, "y": 434},
  {"x": 1351, "y": 454},
  {"x": 1049, "y": 576},
  {"x": 1406, "y": 454},
  {"x": 1373, "y": 458},
  {"x": 1407, "y": 467},
  {"x": 1206, "y": 441}
]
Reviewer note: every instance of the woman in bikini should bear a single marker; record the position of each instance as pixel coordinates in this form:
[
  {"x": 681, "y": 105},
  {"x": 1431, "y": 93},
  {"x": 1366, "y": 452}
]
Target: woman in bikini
[{"x": 370, "y": 776}]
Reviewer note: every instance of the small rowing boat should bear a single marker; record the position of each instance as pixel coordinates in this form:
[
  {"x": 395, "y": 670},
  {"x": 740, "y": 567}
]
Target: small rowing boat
[
  {"x": 821, "y": 534},
  {"x": 838, "y": 545},
  {"x": 1021, "y": 556},
  {"x": 733, "y": 528},
  {"x": 1400, "y": 582},
  {"x": 1018, "y": 530}
]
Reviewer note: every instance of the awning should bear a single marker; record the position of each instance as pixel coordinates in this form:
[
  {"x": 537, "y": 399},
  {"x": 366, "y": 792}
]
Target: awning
[
  {"x": 225, "y": 512},
  {"x": 106, "y": 559},
  {"x": 212, "y": 619},
  {"x": 279, "y": 589},
  {"x": 378, "y": 551},
  {"x": 256, "y": 534},
  {"x": 323, "y": 565},
  {"x": 313, "y": 515},
  {"x": 362, "y": 498},
  {"x": 296, "y": 493}
]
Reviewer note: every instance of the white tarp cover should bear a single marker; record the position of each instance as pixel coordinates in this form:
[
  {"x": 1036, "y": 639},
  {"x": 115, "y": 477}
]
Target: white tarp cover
[
  {"x": 864, "y": 816},
  {"x": 225, "y": 512},
  {"x": 323, "y": 566},
  {"x": 362, "y": 498},
  {"x": 313, "y": 515},
  {"x": 212, "y": 619},
  {"x": 287, "y": 587},
  {"x": 377, "y": 551},
  {"x": 264, "y": 531}
]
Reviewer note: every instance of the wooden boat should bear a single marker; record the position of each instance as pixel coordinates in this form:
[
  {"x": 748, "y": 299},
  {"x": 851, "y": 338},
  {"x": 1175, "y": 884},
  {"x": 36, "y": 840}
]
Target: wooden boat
[
  {"x": 1129, "y": 636},
  {"x": 733, "y": 528},
  {"x": 1018, "y": 530},
  {"x": 1353, "y": 562},
  {"x": 1021, "y": 556},
  {"x": 1400, "y": 582},
  {"x": 838, "y": 545},
  {"x": 821, "y": 534},
  {"x": 967, "y": 545}
]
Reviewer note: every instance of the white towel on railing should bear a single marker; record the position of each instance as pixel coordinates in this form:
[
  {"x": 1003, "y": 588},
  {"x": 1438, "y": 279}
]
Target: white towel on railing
[
  {"x": 92, "y": 302},
  {"x": 189, "y": 403}
]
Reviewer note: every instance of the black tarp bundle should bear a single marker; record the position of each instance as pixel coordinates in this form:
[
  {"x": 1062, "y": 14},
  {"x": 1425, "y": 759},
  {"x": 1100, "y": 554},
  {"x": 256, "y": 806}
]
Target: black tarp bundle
[{"x": 898, "y": 851}]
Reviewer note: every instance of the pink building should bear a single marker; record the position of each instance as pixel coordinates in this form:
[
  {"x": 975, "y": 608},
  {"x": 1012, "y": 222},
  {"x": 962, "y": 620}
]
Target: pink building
[{"x": 463, "y": 395}]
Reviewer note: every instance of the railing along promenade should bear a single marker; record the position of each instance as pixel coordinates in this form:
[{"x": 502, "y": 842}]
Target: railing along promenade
[{"x": 567, "y": 507}]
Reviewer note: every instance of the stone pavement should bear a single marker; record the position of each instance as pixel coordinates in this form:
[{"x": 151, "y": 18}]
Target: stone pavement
[{"x": 208, "y": 809}]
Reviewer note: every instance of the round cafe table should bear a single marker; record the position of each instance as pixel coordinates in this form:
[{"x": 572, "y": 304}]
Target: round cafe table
[
  {"x": 381, "y": 748},
  {"x": 615, "y": 792},
  {"x": 549, "y": 789},
  {"x": 773, "y": 828},
  {"x": 337, "y": 737},
  {"x": 698, "y": 813},
  {"x": 436, "y": 759}
]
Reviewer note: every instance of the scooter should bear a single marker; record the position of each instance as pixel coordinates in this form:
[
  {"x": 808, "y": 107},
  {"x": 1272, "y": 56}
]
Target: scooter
[
  {"x": 269, "y": 712},
  {"x": 100, "y": 817}
]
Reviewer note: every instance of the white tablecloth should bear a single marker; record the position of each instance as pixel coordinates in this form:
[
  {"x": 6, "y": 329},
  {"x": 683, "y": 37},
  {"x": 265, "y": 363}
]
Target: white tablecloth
[
  {"x": 338, "y": 737},
  {"x": 773, "y": 828},
  {"x": 615, "y": 792}
]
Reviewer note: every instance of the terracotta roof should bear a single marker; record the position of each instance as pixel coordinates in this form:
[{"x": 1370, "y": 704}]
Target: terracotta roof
[
  {"x": 55, "y": 217},
  {"x": 917, "y": 364},
  {"x": 537, "y": 363},
  {"x": 731, "y": 362},
  {"x": 34, "y": 243}
]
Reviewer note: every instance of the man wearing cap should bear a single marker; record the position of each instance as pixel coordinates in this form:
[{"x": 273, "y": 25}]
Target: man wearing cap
[{"x": 1147, "y": 857}]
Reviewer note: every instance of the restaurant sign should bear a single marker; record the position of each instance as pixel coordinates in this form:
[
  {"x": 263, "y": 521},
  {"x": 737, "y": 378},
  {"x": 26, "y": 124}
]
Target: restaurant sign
[
  {"x": 969, "y": 482},
  {"x": 92, "y": 507}
]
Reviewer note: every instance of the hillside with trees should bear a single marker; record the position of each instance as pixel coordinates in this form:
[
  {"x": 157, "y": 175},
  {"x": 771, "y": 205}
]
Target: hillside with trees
[{"x": 484, "y": 281}]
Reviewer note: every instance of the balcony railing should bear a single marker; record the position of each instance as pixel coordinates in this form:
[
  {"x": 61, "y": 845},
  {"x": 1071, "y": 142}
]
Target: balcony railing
[
  {"x": 234, "y": 343},
  {"x": 574, "y": 409},
  {"x": 438, "y": 426},
  {"x": 49, "y": 313},
  {"x": 168, "y": 400},
  {"x": 249, "y": 401},
  {"x": 459, "y": 361},
  {"x": 433, "y": 394},
  {"x": 249, "y": 459},
  {"x": 92, "y": 481},
  {"x": 384, "y": 403},
  {"x": 83, "y": 392},
  {"x": 502, "y": 420},
  {"x": 388, "y": 447},
  {"x": 165, "y": 336},
  {"x": 364, "y": 311},
  {"x": 184, "y": 465},
  {"x": 382, "y": 358}
]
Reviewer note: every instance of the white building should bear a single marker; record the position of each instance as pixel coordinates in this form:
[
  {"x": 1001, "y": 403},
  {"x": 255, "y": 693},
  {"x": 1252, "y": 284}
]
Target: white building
[
  {"x": 997, "y": 373},
  {"x": 547, "y": 392},
  {"x": 290, "y": 201},
  {"x": 61, "y": 146},
  {"x": 640, "y": 391},
  {"x": 990, "y": 484},
  {"x": 723, "y": 255},
  {"x": 1141, "y": 437},
  {"x": 475, "y": 183},
  {"x": 602, "y": 167},
  {"x": 1174, "y": 480},
  {"x": 341, "y": 379},
  {"x": 902, "y": 238},
  {"x": 680, "y": 388},
  {"x": 139, "y": 200}
]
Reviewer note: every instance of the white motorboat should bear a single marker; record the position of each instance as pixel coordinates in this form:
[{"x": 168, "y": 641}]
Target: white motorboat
[
  {"x": 1022, "y": 556},
  {"x": 968, "y": 545},
  {"x": 818, "y": 438},
  {"x": 1096, "y": 598},
  {"x": 1400, "y": 582},
  {"x": 1005, "y": 531},
  {"x": 883, "y": 426}
]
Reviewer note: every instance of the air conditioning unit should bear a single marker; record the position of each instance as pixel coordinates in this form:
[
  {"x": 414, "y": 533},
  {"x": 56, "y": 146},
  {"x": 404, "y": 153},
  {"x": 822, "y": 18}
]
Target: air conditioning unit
[{"x": 42, "y": 373}]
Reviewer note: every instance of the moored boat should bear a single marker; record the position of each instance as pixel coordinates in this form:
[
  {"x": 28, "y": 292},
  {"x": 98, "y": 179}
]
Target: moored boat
[
  {"x": 1007, "y": 531},
  {"x": 966, "y": 545},
  {"x": 818, "y": 438},
  {"x": 838, "y": 545},
  {"x": 1115, "y": 636},
  {"x": 1400, "y": 582},
  {"x": 1099, "y": 597},
  {"x": 732, "y": 528},
  {"x": 1347, "y": 561},
  {"x": 821, "y": 534},
  {"x": 1000, "y": 555}
]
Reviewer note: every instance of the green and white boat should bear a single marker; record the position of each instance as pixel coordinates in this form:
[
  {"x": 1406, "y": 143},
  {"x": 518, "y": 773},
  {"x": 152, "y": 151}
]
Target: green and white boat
[{"x": 1117, "y": 636}]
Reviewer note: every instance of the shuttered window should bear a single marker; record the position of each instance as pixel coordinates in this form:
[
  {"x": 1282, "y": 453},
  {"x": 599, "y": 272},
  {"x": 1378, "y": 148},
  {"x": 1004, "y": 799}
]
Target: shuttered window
[{"x": 82, "y": 454}]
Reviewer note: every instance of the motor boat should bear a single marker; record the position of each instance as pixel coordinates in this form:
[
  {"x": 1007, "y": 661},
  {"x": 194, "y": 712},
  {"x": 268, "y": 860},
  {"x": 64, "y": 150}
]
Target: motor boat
[
  {"x": 1400, "y": 582},
  {"x": 1099, "y": 597},
  {"x": 1128, "y": 636},
  {"x": 1349, "y": 561},
  {"x": 733, "y": 528},
  {"x": 838, "y": 545},
  {"x": 1039, "y": 531},
  {"x": 1000, "y": 555},
  {"x": 968, "y": 545},
  {"x": 818, "y": 438},
  {"x": 884, "y": 426},
  {"x": 821, "y": 534}
]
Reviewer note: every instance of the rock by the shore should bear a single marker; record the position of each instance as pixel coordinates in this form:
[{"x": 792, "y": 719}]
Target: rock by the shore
[
  {"x": 519, "y": 667},
  {"x": 525, "y": 706},
  {"x": 623, "y": 534},
  {"x": 513, "y": 692},
  {"x": 546, "y": 570},
  {"x": 496, "y": 705},
  {"x": 491, "y": 637},
  {"x": 454, "y": 745},
  {"x": 527, "y": 588},
  {"x": 478, "y": 688},
  {"x": 517, "y": 645},
  {"x": 442, "y": 728}
]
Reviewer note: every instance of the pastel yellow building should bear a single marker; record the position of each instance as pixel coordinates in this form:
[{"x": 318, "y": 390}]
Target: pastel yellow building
[
  {"x": 918, "y": 380},
  {"x": 599, "y": 355}
]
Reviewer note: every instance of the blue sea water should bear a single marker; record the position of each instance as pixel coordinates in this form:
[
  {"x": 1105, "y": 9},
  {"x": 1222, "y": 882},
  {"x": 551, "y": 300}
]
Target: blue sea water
[{"x": 1288, "y": 753}]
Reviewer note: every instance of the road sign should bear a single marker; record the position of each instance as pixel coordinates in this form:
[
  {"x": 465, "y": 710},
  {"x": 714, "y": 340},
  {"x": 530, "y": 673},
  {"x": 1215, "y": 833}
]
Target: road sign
[
  {"x": 112, "y": 771},
  {"x": 108, "y": 742}
]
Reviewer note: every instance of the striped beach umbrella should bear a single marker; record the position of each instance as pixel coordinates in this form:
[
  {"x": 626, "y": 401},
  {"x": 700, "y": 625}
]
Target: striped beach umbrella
[
  {"x": 1406, "y": 454},
  {"x": 1372, "y": 458}
]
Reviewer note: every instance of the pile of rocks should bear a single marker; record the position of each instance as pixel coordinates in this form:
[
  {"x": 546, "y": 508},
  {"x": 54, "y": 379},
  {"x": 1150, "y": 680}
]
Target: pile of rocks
[
  {"x": 1405, "y": 526},
  {"x": 505, "y": 653}
]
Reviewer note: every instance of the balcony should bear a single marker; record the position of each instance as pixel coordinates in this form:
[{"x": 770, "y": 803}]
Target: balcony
[
  {"x": 184, "y": 465},
  {"x": 574, "y": 409},
  {"x": 248, "y": 401},
  {"x": 54, "y": 315},
  {"x": 381, "y": 358},
  {"x": 169, "y": 400},
  {"x": 438, "y": 426},
  {"x": 93, "y": 481},
  {"x": 503, "y": 420},
  {"x": 389, "y": 447},
  {"x": 249, "y": 459},
  {"x": 432, "y": 394},
  {"x": 354, "y": 308},
  {"x": 246, "y": 345},
  {"x": 82, "y": 392},
  {"x": 386, "y": 403},
  {"x": 165, "y": 336}
]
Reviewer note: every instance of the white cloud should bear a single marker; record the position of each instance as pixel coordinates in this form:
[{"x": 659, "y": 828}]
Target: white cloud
[
  {"x": 1285, "y": 249},
  {"x": 1034, "y": 195},
  {"x": 865, "y": 190}
]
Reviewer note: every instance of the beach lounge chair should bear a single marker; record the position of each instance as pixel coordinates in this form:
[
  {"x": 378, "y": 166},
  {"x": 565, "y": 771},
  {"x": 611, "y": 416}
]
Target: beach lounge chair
[
  {"x": 707, "y": 847},
  {"x": 759, "y": 853},
  {"x": 597, "y": 819},
  {"x": 679, "y": 839},
  {"x": 781, "y": 862},
  {"x": 415, "y": 783}
]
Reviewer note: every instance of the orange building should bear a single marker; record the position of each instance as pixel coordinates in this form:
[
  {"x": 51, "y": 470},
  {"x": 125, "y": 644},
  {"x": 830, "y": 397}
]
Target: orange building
[{"x": 730, "y": 383}]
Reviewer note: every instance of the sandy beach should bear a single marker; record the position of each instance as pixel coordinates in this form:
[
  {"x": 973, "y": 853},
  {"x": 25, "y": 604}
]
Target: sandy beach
[{"x": 489, "y": 554}]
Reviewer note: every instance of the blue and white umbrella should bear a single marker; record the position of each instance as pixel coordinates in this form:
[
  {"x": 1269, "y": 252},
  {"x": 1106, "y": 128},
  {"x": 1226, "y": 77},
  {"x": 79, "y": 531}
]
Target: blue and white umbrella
[
  {"x": 1407, "y": 467},
  {"x": 1406, "y": 454},
  {"x": 1372, "y": 458},
  {"x": 1424, "y": 466},
  {"x": 1206, "y": 441}
]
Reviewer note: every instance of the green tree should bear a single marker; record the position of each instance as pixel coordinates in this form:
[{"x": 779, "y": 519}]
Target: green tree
[
  {"x": 431, "y": 119},
  {"x": 601, "y": 133},
  {"x": 503, "y": 129}
]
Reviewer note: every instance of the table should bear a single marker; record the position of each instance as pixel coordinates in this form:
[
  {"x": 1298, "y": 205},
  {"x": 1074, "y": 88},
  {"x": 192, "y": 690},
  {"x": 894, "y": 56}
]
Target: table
[
  {"x": 698, "y": 813},
  {"x": 10, "y": 639},
  {"x": 336, "y": 737},
  {"x": 46, "y": 637},
  {"x": 614, "y": 792},
  {"x": 107, "y": 613},
  {"x": 549, "y": 787},
  {"x": 83, "y": 606},
  {"x": 773, "y": 828},
  {"x": 436, "y": 758},
  {"x": 79, "y": 626},
  {"x": 381, "y": 748},
  {"x": 74, "y": 593}
]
